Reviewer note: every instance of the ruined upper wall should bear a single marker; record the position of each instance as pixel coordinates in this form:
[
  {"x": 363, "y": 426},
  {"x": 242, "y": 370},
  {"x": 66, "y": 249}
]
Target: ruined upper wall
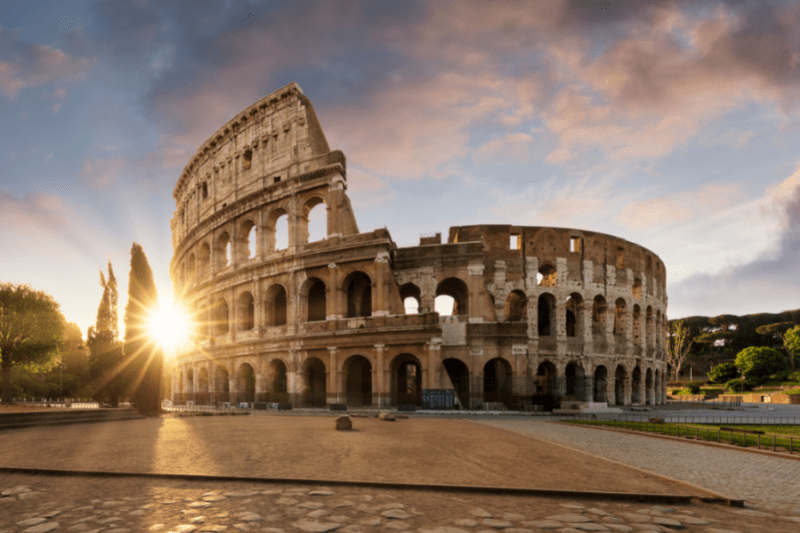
[{"x": 273, "y": 140}]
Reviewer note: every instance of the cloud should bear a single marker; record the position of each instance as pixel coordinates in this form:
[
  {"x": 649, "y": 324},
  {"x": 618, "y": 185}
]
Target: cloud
[
  {"x": 36, "y": 65},
  {"x": 704, "y": 202},
  {"x": 43, "y": 211},
  {"x": 513, "y": 145},
  {"x": 101, "y": 173}
]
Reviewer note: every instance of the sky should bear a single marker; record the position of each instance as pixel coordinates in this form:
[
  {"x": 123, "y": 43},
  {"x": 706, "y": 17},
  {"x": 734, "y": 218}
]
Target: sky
[{"x": 672, "y": 124}]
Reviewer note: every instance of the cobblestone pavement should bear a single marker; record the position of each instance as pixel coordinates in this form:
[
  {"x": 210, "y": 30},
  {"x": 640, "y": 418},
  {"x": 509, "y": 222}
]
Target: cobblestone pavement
[
  {"x": 44, "y": 503},
  {"x": 763, "y": 481}
]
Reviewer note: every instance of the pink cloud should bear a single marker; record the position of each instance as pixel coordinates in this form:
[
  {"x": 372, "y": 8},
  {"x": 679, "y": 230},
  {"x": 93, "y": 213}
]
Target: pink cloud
[{"x": 39, "y": 65}]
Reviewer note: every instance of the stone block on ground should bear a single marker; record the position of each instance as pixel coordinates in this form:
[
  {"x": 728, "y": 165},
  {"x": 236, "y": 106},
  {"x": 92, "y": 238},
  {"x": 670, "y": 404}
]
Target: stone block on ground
[
  {"x": 343, "y": 423},
  {"x": 388, "y": 417}
]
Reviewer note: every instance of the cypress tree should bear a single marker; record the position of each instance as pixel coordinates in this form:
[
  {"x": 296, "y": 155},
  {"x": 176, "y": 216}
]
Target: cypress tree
[
  {"x": 105, "y": 350},
  {"x": 144, "y": 357}
]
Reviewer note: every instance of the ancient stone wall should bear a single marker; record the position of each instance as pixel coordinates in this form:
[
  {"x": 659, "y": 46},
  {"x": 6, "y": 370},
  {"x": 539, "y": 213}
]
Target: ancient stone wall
[{"x": 538, "y": 312}]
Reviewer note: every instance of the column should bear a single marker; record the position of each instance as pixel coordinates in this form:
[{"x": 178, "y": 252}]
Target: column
[
  {"x": 429, "y": 369},
  {"x": 475, "y": 287},
  {"x": 380, "y": 304},
  {"x": 381, "y": 397},
  {"x": 334, "y": 392},
  {"x": 333, "y": 305}
]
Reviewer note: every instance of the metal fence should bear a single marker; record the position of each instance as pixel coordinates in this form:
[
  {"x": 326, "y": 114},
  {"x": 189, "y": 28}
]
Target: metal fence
[{"x": 669, "y": 418}]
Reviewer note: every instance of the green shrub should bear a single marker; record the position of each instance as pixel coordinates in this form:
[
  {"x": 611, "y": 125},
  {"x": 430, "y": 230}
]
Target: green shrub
[
  {"x": 735, "y": 385},
  {"x": 782, "y": 375},
  {"x": 794, "y": 376},
  {"x": 759, "y": 362},
  {"x": 793, "y": 391},
  {"x": 694, "y": 387},
  {"x": 723, "y": 372}
]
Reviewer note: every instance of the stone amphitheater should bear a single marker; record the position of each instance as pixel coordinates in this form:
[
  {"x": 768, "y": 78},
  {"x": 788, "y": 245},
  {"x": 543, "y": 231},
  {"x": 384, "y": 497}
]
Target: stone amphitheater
[{"x": 540, "y": 316}]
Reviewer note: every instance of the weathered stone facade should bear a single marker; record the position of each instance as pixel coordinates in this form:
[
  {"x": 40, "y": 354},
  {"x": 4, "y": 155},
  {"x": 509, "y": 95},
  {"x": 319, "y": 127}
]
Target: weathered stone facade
[{"x": 540, "y": 311}]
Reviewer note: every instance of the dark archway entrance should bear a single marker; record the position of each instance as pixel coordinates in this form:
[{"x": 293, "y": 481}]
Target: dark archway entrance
[
  {"x": 601, "y": 384},
  {"x": 620, "y": 377},
  {"x": 458, "y": 374},
  {"x": 245, "y": 384},
  {"x": 497, "y": 386},
  {"x": 314, "y": 387},
  {"x": 406, "y": 380},
  {"x": 358, "y": 381}
]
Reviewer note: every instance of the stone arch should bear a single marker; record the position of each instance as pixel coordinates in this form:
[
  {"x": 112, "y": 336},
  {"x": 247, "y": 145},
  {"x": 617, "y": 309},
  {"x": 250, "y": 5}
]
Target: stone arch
[
  {"x": 648, "y": 387},
  {"x": 190, "y": 383},
  {"x": 620, "y": 378},
  {"x": 312, "y": 376},
  {"x": 275, "y": 305},
  {"x": 411, "y": 296},
  {"x": 246, "y": 239},
  {"x": 273, "y": 241},
  {"x": 313, "y": 297},
  {"x": 516, "y": 306},
  {"x": 222, "y": 250},
  {"x": 203, "y": 383},
  {"x": 457, "y": 290},
  {"x": 205, "y": 260},
  {"x": 636, "y": 288},
  {"x": 547, "y": 276},
  {"x": 357, "y": 371},
  {"x": 546, "y": 378},
  {"x": 221, "y": 384},
  {"x": 636, "y": 386},
  {"x": 575, "y": 310},
  {"x": 574, "y": 381},
  {"x": 245, "y": 311},
  {"x": 457, "y": 373},
  {"x": 599, "y": 312},
  {"x": 497, "y": 382},
  {"x": 620, "y": 318},
  {"x": 311, "y": 228},
  {"x": 245, "y": 383},
  {"x": 601, "y": 384},
  {"x": 220, "y": 317},
  {"x": 547, "y": 315},
  {"x": 275, "y": 382},
  {"x": 406, "y": 384},
  {"x": 358, "y": 287}
]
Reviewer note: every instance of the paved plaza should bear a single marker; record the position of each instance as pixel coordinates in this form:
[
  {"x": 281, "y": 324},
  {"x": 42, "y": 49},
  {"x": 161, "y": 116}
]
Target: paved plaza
[{"x": 306, "y": 445}]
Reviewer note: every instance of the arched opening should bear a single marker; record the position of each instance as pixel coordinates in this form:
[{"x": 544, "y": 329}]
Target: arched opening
[
  {"x": 275, "y": 382},
  {"x": 358, "y": 380},
  {"x": 245, "y": 311},
  {"x": 222, "y": 250},
  {"x": 191, "y": 268},
  {"x": 547, "y": 312},
  {"x": 457, "y": 290},
  {"x": 220, "y": 318},
  {"x": 406, "y": 380},
  {"x": 620, "y": 316},
  {"x": 574, "y": 318},
  {"x": 275, "y": 305},
  {"x": 575, "y": 387},
  {"x": 314, "y": 222},
  {"x": 359, "y": 294},
  {"x": 276, "y": 234},
  {"x": 636, "y": 386},
  {"x": 497, "y": 382},
  {"x": 547, "y": 276},
  {"x": 205, "y": 260},
  {"x": 546, "y": 386},
  {"x": 190, "y": 384},
  {"x": 516, "y": 307},
  {"x": 458, "y": 376},
  {"x": 313, "y": 293},
  {"x": 246, "y": 241},
  {"x": 648, "y": 387},
  {"x": 601, "y": 384},
  {"x": 599, "y": 308},
  {"x": 221, "y": 384},
  {"x": 201, "y": 397},
  {"x": 313, "y": 379},
  {"x": 245, "y": 384},
  {"x": 636, "y": 288},
  {"x": 410, "y": 294},
  {"x": 620, "y": 377}
]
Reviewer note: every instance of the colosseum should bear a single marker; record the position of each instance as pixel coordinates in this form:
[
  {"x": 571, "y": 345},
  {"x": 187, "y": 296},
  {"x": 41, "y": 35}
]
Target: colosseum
[{"x": 540, "y": 316}]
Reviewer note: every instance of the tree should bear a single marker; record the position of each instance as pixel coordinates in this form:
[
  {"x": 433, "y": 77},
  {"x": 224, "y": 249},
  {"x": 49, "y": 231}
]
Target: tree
[
  {"x": 723, "y": 373},
  {"x": 779, "y": 330},
  {"x": 760, "y": 362},
  {"x": 143, "y": 355},
  {"x": 31, "y": 329},
  {"x": 105, "y": 350},
  {"x": 678, "y": 346},
  {"x": 791, "y": 341}
]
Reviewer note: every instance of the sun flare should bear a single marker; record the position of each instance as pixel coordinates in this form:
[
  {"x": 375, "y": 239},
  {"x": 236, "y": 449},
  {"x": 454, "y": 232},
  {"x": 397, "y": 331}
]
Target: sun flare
[{"x": 170, "y": 325}]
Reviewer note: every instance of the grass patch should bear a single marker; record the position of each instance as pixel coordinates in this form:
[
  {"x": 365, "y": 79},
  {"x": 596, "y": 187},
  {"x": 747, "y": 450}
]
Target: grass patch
[{"x": 781, "y": 437}]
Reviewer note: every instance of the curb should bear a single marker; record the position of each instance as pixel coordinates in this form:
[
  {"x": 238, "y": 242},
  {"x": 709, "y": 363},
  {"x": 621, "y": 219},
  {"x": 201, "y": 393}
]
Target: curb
[
  {"x": 493, "y": 491},
  {"x": 712, "y": 496},
  {"x": 719, "y": 445}
]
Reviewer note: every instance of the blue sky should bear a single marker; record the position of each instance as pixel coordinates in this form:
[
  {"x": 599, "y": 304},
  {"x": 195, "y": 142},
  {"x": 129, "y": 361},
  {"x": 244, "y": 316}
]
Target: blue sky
[{"x": 673, "y": 124}]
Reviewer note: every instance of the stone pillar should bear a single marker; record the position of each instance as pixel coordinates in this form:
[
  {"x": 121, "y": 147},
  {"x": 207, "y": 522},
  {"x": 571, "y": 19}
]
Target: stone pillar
[
  {"x": 233, "y": 389},
  {"x": 588, "y": 373},
  {"x": 380, "y": 396},
  {"x": 334, "y": 305},
  {"x": 611, "y": 311},
  {"x": 334, "y": 383},
  {"x": 429, "y": 369},
  {"x": 561, "y": 324},
  {"x": 194, "y": 383},
  {"x": 475, "y": 288},
  {"x": 380, "y": 296},
  {"x": 335, "y": 200},
  {"x": 258, "y": 308}
]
